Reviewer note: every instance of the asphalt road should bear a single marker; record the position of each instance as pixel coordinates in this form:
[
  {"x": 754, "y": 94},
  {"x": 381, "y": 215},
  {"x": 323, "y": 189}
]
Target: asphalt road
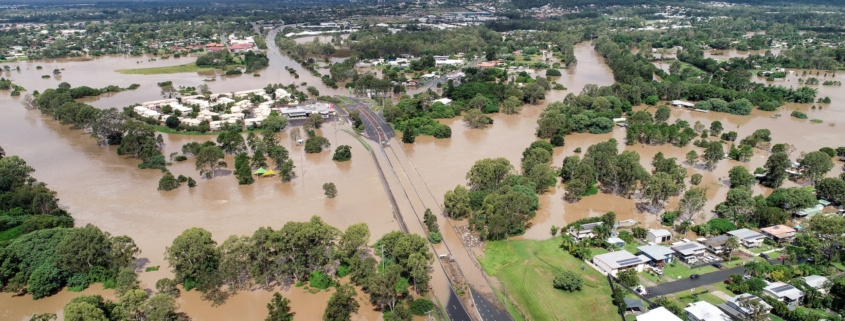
[
  {"x": 454, "y": 309},
  {"x": 488, "y": 311},
  {"x": 704, "y": 279}
]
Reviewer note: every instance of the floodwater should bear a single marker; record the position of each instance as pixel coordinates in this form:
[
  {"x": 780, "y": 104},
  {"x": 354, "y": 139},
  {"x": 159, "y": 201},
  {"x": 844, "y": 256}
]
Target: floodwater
[
  {"x": 107, "y": 190},
  {"x": 102, "y": 188}
]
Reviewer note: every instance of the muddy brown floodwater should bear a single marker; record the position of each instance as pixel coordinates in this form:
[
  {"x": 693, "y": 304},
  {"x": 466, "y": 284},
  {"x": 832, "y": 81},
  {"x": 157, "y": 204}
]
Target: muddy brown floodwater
[{"x": 99, "y": 187}]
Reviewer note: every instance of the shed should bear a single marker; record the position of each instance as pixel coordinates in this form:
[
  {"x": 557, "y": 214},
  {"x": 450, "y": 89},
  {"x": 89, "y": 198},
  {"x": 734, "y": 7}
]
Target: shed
[
  {"x": 634, "y": 305},
  {"x": 658, "y": 235}
]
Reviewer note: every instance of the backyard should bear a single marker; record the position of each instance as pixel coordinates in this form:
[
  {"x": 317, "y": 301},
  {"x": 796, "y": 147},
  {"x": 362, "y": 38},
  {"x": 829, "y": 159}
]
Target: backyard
[{"x": 528, "y": 267}]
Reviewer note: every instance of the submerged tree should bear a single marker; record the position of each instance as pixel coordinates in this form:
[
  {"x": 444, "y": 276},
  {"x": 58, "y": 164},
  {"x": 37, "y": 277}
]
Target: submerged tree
[{"x": 330, "y": 190}]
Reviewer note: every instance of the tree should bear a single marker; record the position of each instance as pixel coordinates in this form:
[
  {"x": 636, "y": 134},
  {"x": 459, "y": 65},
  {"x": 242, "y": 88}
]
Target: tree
[
  {"x": 692, "y": 203},
  {"x": 457, "y": 203},
  {"x": 511, "y": 105},
  {"x": 658, "y": 188},
  {"x": 45, "y": 280},
  {"x": 341, "y": 304},
  {"x": 161, "y": 307},
  {"x": 738, "y": 205},
  {"x": 575, "y": 189},
  {"x": 231, "y": 142},
  {"x": 315, "y": 120},
  {"x": 712, "y": 154},
  {"x": 243, "y": 172},
  {"x": 168, "y": 90},
  {"x": 776, "y": 167},
  {"x": 757, "y": 309},
  {"x": 568, "y": 281},
  {"x": 478, "y": 102},
  {"x": 663, "y": 113},
  {"x": 342, "y": 153},
  {"x": 474, "y": 118},
  {"x": 315, "y": 144},
  {"x": 258, "y": 159},
  {"x": 193, "y": 256},
  {"x": 168, "y": 182},
  {"x": 716, "y": 128},
  {"x": 533, "y": 92},
  {"x": 330, "y": 190},
  {"x": 731, "y": 244},
  {"x": 629, "y": 277},
  {"x": 739, "y": 176},
  {"x": 167, "y": 286},
  {"x": 695, "y": 179},
  {"x": 279, "y": 309},
  {"x": 126, "y": 280},
  {"x": 488, "y": 173},
  {"x": 275, "y": 123},
  {"x": 692, "y": 158},
  {"x": 172, "y": 122},
  {"x": 132, "y": 303},
  {"x": 209, "y": 160},
  {"x": 83, "y": 249},
  {"x": 191, "y": 182},
  {"x": 83, "y": 311},
  {"x": 831, "y": 189},
  {"x": 815, "y": 165}
]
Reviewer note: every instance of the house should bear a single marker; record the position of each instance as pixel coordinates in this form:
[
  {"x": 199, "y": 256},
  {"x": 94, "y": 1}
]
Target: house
[
  {"x": 809, "y": 212},
  {"x": 688, "y": 251},
  {"x": 659, "y": 314},
  {"x": 634, "y": 306},
  {"x": 614, "y": 262},
  {"x": 704, "y": 311},
  {"x": 658, "y": 235},
  {"x": 657, "y": 255},
  {"x": 748, "y": 238},
  {"x": 616, "y": 241},
  {"x": 583, "y": 231},
  {"x": 816, "y": 282},
  {"x": 779, "y": 233},
  {"x": 784, "y": 292},
  {"x": 740, "y": 306},
  {"x": 716, "y": 244},
  {"x": 680, "y": 103}
]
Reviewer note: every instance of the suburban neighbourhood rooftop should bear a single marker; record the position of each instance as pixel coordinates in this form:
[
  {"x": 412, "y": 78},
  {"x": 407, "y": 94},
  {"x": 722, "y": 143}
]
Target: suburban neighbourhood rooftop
[{"x": 659, "y": 314}]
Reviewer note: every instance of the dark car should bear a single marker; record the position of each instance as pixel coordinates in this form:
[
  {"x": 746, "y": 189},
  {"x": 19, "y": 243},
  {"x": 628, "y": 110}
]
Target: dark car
[
  {"x": 717, "y": 265},
  {"x": 694, "y": 276},
  {"x": 764, "y": 255}
]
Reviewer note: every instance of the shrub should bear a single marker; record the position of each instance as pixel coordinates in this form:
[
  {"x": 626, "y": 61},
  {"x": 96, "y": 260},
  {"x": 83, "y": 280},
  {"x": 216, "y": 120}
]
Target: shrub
[
  {"x": 829, "y": 151},
  {"x": 558, "y": 87},
  {"x": 435, "y": 237},
  {"x": 181, "y": 158},
  {"x": 343, "y": 270},
  {"x": 319, "y": 280},
  {"x": 695, "y": 179},
  {"x": 422, "y": 306},
  {"x": 798, "y": 114},
  {"x": 552, "y": 73},
  {"x": 77, "y": 282},
  {"x": 577, "y": 150},
  {"x": 557, "y": 140},
  {"x": 568, "y": 281}
]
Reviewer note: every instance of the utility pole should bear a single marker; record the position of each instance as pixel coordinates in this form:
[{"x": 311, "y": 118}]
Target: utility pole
[{"x": 382, "y": 259}]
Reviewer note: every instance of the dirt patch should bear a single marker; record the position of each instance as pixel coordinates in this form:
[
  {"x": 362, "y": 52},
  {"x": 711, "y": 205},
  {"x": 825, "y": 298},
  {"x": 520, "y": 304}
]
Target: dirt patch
[{"x": 469, "y": 237}]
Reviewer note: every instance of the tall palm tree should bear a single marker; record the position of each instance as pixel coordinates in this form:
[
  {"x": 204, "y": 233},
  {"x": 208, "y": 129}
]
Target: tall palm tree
[
  {"x": 568, "y": 243},
  {"x": 731, "y": 244},
  {"x": 601, "y": 232}
]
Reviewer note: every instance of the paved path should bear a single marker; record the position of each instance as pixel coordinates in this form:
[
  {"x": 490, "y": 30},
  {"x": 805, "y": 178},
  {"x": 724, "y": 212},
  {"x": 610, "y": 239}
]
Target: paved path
[{"x": 705, "y": 279}]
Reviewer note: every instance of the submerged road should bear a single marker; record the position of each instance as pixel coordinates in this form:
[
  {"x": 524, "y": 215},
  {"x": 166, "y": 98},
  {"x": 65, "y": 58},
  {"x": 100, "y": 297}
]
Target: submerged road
[{"x": 377, "y": 128}]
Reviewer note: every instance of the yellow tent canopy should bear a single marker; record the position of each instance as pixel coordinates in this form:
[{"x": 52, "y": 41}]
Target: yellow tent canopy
[{"x": 269, "y": 173}]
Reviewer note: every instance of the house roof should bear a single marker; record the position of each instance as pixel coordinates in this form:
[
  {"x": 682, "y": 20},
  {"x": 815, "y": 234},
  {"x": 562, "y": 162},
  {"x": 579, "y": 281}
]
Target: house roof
[
  {"x": 777, "y": 230},
  {"x": 716, "y": 241},
  {"x": 688, "y": 248},
  {"x": 615, "y": 240},
  {"x": 746, "y": 234},
  {"x": 659, "y": 314},
  {"x": 735, "y": 302},
  {"x": 655, "y": 251},
  {"x": 590, "y": 226},
  {"x": 618, "y": 259},
  {"x": 634, "y": 303},
  {"x": 705, "y": 311},
  {"x": 783, "y": 290},
  {"x": 660, "y": 232},
  {"x": 815, "y": 281}
]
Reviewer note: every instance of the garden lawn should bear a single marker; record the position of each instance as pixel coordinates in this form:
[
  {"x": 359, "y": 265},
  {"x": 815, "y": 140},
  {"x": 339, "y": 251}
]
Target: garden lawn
[
  {"x": 191, "y": 67},
  {"x": 679, "y": 271},
  {"x": 527, "y": 267}
]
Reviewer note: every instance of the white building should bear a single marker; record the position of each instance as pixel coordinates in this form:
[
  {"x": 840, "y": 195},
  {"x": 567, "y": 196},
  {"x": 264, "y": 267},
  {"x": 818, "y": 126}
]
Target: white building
[
  {"x": 690, "y": 252},
  {"x": 739, "y": 306},
  {"x": 658, "y": 235},
  {"x": 784, "y": 292},
  {"x": 614, "y": 262},
  {"x": 659, "y": 314},
  {"x": 681, "y": 103},
  {"x": 704, "y": 311},
  {"x": 817, "y": 282},
  {"x": 303, "y": 111},
  {"x": 445, "y": 101},
  {"x": 748, "y": 238},
  {"x": 584, "y": 230}
]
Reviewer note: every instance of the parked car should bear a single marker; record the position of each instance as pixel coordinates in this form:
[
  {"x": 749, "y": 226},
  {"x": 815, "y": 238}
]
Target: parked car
[
  {"x": 717, "y": 265},
  {"x": 694, "y": 277},
  {"x": 727, "y": 281},
  {"x": 746, "y": 277},
  {"x": 764, "y": 255}
]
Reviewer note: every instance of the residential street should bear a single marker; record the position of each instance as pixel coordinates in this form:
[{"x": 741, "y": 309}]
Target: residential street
[{"x": 705, "y": 279}]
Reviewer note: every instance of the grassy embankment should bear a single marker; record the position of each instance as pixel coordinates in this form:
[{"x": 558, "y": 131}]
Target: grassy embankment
[
  {"x": 189, "y": 67},
  {"x": 528, "y": 269}
]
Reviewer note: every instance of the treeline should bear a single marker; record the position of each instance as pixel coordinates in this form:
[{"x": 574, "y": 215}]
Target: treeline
[
  {"x": 41, "y": 252},
  {"x": 109, "y": 126},
  {"x": 377, "y": 42},
  {"x": 300, "y": 253}
]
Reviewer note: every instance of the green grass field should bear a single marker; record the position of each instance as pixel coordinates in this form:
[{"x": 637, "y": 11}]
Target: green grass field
[
  {"x": 528, "y": 268},
  {"x": 191, "y": 67},
  {"x": 682, "y": 272}
]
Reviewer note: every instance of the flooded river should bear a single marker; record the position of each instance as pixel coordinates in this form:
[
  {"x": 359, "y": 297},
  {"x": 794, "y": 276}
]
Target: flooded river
[{"x": 97, "y": 186}]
